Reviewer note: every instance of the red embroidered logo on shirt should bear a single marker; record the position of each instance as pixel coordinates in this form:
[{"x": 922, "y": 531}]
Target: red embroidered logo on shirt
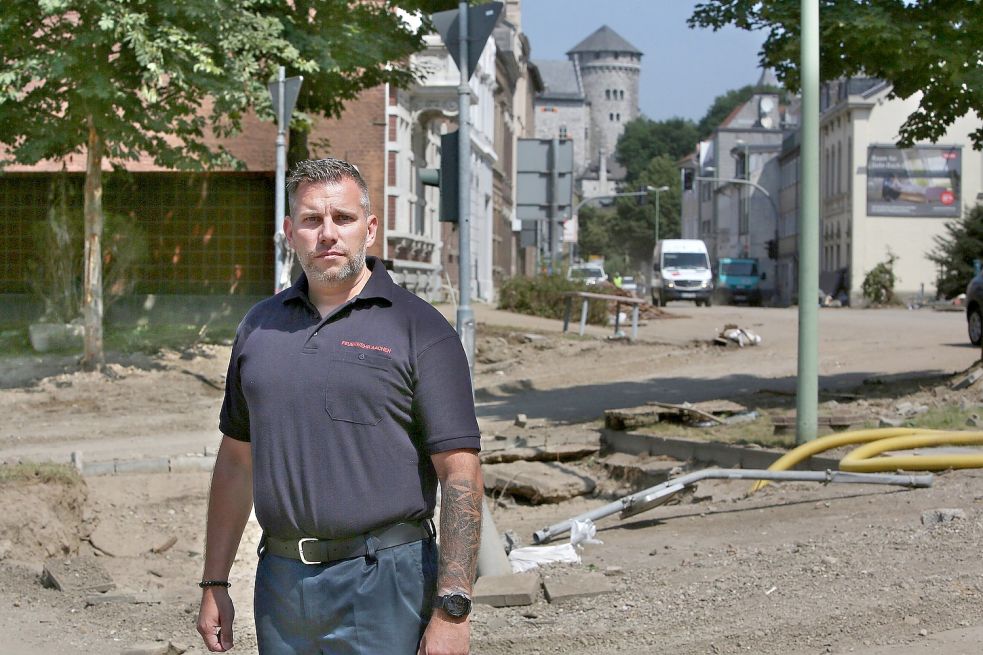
[{"x": 367, "y": 346}]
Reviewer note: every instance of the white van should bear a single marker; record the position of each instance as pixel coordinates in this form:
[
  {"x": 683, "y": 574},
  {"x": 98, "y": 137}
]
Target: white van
[{"x": 681, "y": 271}]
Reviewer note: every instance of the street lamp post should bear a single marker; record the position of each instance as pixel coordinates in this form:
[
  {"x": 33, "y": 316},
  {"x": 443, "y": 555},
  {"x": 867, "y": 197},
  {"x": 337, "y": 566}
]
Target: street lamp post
[{"x": 657, "y": 191}]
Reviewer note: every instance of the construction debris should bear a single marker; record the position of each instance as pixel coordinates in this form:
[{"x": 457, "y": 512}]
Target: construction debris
[
  {"x": 733, "y": 335},
  {"x": 537, "y": 482},
  {"x": 79, "y": 574},
  {"x": 713, "y": 412}
]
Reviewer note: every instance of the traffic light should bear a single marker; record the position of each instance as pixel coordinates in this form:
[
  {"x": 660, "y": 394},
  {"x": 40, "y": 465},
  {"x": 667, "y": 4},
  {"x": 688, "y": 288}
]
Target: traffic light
[
  {"x": 445, "y": 178},
  {"x": 772, "y": 249},
  {"x": 688, "y": 175}
]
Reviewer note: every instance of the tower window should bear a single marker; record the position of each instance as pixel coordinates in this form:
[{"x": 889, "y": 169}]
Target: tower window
[
  {"x": 618, "y": 116},
  {"x": 607, "y": 94},
  {"x": 611, "y": 117},
  {"x": 621, "y": 94}
]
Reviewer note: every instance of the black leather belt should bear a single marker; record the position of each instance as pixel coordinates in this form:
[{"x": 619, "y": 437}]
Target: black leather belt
[{"x": 310, "y": 550}]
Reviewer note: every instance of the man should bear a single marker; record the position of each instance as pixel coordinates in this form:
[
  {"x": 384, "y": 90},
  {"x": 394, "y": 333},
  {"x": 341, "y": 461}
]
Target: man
[{"x": 347, "y": 398}]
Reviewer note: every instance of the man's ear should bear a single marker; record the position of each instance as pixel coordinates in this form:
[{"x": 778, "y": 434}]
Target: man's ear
[
  {"x": 288, "y": 230},
  {"x": 372, "y": 224}
]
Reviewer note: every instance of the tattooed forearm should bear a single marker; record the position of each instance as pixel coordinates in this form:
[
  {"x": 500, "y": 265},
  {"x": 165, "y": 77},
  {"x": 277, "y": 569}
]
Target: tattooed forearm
[{"x": 460, "y": 533}]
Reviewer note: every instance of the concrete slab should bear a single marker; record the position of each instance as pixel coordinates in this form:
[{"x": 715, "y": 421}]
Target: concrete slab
[
  {"x": 579, "y": 585},
  {"x": 79, "y": 574},
  {"x": 549, "y": 453},
  {"x": 507, "y": 590},
  {"x": 538, "y": 482}
]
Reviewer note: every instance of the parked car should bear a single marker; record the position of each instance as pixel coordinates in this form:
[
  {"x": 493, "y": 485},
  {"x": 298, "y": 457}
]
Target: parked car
[
  {"x": 587, "y": 273},
  {"x": 974, "y": 310}
]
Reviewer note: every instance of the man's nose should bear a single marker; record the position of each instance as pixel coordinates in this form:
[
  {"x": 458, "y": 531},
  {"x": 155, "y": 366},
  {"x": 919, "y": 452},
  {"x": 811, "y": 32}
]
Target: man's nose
[{"x": 328, "y": 232}]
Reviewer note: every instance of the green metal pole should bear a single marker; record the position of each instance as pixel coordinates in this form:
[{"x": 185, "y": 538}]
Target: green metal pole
[{"x": 807, "y": 396}]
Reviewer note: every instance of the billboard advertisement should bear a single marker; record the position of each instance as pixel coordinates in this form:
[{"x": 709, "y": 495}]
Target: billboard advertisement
[{"x": 919, "y": 181}]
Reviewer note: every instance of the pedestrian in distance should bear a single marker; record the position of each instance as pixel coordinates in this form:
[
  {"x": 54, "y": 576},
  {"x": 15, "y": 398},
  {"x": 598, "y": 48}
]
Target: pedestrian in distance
[{"x": 347, "y": 399}]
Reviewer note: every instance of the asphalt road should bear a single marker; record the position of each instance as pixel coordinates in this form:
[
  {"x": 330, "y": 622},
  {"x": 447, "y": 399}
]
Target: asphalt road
[{"x": 854, "y": 345}]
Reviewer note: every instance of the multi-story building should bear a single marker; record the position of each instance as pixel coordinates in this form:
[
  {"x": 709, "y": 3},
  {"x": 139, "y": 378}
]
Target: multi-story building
[
  {"x": 732, "y": 203},
  {"x": 877, "y": 201}
]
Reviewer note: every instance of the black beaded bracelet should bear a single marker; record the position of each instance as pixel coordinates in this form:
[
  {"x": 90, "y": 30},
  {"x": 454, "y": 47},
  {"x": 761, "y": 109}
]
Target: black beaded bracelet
[{"x": 214, "y": 583}]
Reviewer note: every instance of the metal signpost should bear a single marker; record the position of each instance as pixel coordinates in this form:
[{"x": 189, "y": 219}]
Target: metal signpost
[
  {"x": 476, "y": 24},
  {"x": 283, "y": 93}
]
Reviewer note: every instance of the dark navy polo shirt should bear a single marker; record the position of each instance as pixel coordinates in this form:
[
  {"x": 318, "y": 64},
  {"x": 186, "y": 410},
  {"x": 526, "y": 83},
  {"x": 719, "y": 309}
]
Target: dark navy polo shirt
[{"x": 344, "y": 411}]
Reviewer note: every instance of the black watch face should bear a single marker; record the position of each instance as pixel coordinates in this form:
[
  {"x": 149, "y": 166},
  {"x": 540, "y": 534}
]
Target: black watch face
[{"x": 457, "y": 605}]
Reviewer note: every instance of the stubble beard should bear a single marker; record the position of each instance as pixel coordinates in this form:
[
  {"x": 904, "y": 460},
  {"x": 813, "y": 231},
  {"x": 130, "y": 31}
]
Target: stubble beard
[{"x": 354, "y": 263}]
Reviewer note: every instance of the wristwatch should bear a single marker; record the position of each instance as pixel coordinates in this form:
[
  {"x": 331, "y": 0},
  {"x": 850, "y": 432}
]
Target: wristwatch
[{"x": 457, "y": 605}]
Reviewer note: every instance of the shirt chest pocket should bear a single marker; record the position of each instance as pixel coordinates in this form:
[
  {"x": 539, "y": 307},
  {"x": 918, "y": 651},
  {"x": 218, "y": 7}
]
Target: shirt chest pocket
[{"x": 356, "y": 388}]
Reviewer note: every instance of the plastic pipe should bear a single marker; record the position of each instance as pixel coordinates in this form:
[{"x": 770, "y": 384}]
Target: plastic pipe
[
  {"x": 863, "y": 458},
  {"x": 885, "y": 439},
  {"x": 821, "y": 445}
]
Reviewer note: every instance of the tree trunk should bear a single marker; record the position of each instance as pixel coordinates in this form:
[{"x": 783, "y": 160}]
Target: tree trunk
[
  {"x": 297, "y": 148},
  {"x": 92, "y": 289}
]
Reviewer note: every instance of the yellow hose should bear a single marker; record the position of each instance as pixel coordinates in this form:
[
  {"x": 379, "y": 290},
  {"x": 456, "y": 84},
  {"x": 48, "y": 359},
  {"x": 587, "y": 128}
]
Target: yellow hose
[
  {"x": 862, "y": 459},
  {"x": 822, "y": 444},
  {"x": 881, "y": 440}
]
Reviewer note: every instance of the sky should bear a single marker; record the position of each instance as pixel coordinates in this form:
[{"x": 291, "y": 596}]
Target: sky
[{"x": 683, "y": 69}]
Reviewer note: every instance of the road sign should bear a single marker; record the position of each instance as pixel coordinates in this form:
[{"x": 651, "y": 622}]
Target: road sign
[
  {"x": 291, "y": 89},
  {"x": 481, "y": 21},
  {"x": 535, "y": 191}
]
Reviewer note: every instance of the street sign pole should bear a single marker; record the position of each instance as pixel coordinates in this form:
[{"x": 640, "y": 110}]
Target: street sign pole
[
  {"x": 465, "y": 315},
  {"x": 283, "y": 94},
  {"x": 279, "y": 238}
]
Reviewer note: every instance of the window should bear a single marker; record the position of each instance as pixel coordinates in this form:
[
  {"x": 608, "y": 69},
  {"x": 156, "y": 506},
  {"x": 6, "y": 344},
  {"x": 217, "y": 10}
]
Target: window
[
  {"x": 618, "y": 117},
  {"x": 607, "y": 94},
  {"x": 563, "y": 132},
  {"x": 611, "y": 117},
  {"x": 622, "y": 94}
]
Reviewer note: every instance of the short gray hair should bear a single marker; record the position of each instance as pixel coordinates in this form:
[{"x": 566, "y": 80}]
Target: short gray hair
[{"x": 325, "y": 170}]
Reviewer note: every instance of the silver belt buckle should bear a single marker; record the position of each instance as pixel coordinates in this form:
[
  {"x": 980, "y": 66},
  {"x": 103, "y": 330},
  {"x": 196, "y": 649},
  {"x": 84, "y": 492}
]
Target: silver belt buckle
[{"x": 300, "y": 550}]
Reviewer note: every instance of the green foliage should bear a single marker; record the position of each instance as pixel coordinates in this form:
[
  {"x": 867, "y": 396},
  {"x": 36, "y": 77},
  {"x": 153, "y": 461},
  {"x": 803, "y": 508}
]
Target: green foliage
[
  {"x": 136, "y": 75},
  {"x": 724, "y": 104},
  {"x": 955, "y": 251},
  {"x": 55, "y": 274},
  {"x": 930, "y": 47},
  {"x": 372, "y": 48},
  {"x": 878, "y": 284},
  {"x": 645, "y": 139},
  {"x": 625, "y": 233},
  {"x": 543, "y": 296}
]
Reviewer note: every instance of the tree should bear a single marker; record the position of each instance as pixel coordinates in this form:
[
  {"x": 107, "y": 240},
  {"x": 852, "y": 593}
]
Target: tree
[
  {"x": 117, "y": 79},
  {"x": 955, "y": 251},
  {"x": 644, "y": 139},
  {"x": 930, "y": 47},
  {"x": 724, "y": 104},
  {"x": 625, "y": 234}
]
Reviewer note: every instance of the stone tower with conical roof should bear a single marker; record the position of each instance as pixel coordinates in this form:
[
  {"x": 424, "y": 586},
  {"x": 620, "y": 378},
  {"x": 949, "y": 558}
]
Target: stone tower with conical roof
[{"x": 609, "y": 68}]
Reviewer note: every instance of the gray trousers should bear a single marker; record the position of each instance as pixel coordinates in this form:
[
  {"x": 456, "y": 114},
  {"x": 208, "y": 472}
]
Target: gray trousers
[{"x": 363, "y": 606}]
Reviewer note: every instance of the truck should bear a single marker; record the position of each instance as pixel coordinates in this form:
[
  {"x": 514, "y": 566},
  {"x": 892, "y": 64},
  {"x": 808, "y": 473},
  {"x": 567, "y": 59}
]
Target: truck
[
  {"x": 739, "y": 280},
  {"x": 681, "y": 271}
]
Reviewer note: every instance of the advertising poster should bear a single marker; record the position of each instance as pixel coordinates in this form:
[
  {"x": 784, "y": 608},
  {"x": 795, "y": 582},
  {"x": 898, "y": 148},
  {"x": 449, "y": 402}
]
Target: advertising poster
[{"x": 919, "y": 181}]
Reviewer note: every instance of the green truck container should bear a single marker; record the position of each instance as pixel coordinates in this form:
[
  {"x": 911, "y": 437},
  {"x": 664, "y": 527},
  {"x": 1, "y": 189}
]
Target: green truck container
[{"x": 739, "y": 280}]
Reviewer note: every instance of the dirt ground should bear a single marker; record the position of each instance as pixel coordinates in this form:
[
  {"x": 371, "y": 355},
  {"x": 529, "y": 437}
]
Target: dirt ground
[{"x": 796, "y": 568}]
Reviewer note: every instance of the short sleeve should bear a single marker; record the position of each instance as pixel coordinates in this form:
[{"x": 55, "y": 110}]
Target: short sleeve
[
  {"x": 234, "y": 417},
  {"x": 442, "y": 401}
]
